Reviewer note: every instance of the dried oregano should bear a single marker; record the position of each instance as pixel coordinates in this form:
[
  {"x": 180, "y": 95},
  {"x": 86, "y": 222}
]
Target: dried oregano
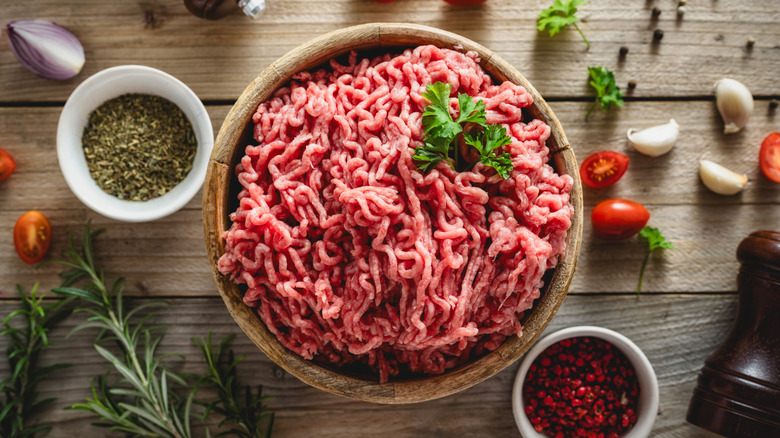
[{"x": 138, "y": 146}]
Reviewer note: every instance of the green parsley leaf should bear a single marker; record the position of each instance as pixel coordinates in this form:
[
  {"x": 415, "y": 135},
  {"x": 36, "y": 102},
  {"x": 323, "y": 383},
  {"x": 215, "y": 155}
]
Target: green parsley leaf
[
  {"x": 471, "y": 110},
  {"x": 654, "y": 241},
  {"x": 441, "y": 132},
  {"x": 607, "y": 93},
  {"x": 436, "y": 118},
  {"x": 487, "y": 143},
  {"x": 559, "y": 15},
  {"x": 431, "y": 153}
]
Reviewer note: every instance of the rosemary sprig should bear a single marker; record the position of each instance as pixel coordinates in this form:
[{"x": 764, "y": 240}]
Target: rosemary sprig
[
  {"x": 144, "y": 401},
  {"x": 248, "y": 417},
  {"x": 19, "y": 399},
  {"x": 147, "y": 401}
]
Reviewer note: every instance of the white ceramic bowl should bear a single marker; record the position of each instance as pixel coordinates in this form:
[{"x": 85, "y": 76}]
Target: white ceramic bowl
[
  {"x": 647, "y": 406},
  {"x": 111, "y": 83}
]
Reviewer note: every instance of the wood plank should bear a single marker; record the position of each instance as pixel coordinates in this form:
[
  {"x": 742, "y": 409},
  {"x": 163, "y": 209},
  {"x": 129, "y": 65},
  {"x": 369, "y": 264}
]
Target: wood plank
[
  {"x": 167, "y": 257},
  {"x": 219, "y": 59},
  {"x": 675, "y": 332}
]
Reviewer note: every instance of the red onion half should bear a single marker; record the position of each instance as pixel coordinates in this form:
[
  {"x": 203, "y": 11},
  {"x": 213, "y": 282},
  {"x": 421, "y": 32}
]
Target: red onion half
[{"x": 46, "y": 49}]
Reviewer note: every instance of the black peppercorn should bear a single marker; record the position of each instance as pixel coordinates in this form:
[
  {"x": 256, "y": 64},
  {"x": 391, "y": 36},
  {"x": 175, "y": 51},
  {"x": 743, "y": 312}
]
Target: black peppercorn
[
  {"x": 658, "y": 35},
  {"x": 623, "y": 50},
  {"x": 773, "y": 104},
  {"x": 631, "y": 84},
  {"x": 656, "y": 11}
]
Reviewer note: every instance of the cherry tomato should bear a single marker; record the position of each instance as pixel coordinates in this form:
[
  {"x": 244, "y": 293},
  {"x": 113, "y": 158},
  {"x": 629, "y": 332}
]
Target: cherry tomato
[
  {"x": 603, "y": 169},
  {"x": 465, "y": 2},
  {"x": 616, "y": 219},
  {"x": 769, "y": 156},
  {"x": 32, "y": 236},
  {"x": 7, "y": 165}
]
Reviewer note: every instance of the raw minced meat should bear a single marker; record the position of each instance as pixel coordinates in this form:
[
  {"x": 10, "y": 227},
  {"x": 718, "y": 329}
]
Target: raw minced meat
[{"x": 350, "y": 253}]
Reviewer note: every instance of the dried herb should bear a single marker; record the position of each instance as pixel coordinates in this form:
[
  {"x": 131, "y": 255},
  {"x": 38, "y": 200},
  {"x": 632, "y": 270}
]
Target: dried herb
[
  {"x": 138, "y": 146},
  {"x": 19, "y": 399}
]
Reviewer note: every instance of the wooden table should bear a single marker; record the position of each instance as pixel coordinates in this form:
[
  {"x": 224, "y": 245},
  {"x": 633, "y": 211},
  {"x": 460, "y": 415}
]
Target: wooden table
[{"x": 689, "y": 293}]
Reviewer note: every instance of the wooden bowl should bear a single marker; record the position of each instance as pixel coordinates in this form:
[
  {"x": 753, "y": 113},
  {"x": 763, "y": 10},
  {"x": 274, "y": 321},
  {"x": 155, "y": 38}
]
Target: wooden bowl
[{"x": 221, "y": 186}]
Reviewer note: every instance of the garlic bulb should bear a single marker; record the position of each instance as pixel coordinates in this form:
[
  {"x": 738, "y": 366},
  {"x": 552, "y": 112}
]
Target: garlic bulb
[
  {"x": 655, "y": 141},
  {"x": 721, "y": 180},
  {"x": 46, "y": 49},
  {"x": 735, "y": 104}
]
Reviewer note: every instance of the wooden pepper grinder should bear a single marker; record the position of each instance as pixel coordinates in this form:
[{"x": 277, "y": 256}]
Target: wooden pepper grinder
[{"x": 738, "y": 390}]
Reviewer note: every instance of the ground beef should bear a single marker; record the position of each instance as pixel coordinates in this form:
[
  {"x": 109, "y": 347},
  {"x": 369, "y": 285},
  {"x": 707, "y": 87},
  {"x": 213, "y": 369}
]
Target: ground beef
[{"x": 350, "y": 253}]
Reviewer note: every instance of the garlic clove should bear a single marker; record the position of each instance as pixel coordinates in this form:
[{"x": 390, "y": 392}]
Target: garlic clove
[
  {"x": 46, "y": 49},
  {"x": 655, "y": 141},
  {"x": 719, "y": 179},
  {"x": 735, "y": 104}
]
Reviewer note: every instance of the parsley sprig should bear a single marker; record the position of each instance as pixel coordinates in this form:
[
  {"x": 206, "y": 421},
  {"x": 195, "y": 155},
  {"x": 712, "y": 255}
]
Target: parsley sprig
[
  {"x": 442, "y": 131},
  {"x": 654, "y": 241},
  {"x": 559, "y": 15},
  {"x": 607, "y": 92}
]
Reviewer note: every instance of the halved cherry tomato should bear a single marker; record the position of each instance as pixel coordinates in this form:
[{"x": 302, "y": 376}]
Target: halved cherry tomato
[
  {"x": 7, "y": 165},
  {"x": 32, "y": 236},
  {"x": 769, "y": 156},
  {"x": 616, "y": 219},
  {"x": 603, "y": 169}
]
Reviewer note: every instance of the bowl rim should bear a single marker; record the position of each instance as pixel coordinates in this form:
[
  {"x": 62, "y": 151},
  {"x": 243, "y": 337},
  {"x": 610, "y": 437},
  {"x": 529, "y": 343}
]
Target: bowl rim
[
  {"x": 85, "y": 188},
  {"x": 215, "y": 219},
  {"x": 649, "y": 395}
]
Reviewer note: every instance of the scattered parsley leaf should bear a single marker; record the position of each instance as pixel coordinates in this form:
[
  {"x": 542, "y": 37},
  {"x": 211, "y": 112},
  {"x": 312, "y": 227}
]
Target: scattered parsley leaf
[
  {"x": 603, "y": 81},
  {"x": 559, "y": 15},
  {"x": 654, "y": 241},
  {"x": 441, "y": 132}
]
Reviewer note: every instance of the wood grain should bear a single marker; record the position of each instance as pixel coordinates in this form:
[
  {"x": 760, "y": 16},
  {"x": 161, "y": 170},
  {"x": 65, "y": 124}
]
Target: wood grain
[
  {"x": 217, "y": 59},
  {"x": 675, "y": 332},
  {"x": 167, "y": 258}
]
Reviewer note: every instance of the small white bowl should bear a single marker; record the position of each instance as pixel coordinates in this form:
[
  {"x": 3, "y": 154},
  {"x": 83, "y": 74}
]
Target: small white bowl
[
  {"x": 647, "y": 406},
  {"x": 108, "y": 84}
]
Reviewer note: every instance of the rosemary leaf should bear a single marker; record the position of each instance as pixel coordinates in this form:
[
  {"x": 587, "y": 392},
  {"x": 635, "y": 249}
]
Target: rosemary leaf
[
  {"x": 247, "y": 413},
  {"x": 146, "y": 399},
  {"x": 132, "y": 403},
  {"x": 18, "y": 392}
]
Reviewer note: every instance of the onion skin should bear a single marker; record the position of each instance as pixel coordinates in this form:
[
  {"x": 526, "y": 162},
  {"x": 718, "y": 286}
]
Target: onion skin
[{"x": 46, "y": 49}]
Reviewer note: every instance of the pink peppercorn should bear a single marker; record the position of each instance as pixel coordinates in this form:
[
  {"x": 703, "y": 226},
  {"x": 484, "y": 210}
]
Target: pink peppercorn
[{"x": 590, "y": 391}]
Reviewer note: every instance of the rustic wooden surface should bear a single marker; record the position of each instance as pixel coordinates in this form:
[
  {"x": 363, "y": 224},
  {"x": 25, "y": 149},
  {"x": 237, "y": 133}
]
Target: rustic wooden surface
[{"x": 689, "y": 297}]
